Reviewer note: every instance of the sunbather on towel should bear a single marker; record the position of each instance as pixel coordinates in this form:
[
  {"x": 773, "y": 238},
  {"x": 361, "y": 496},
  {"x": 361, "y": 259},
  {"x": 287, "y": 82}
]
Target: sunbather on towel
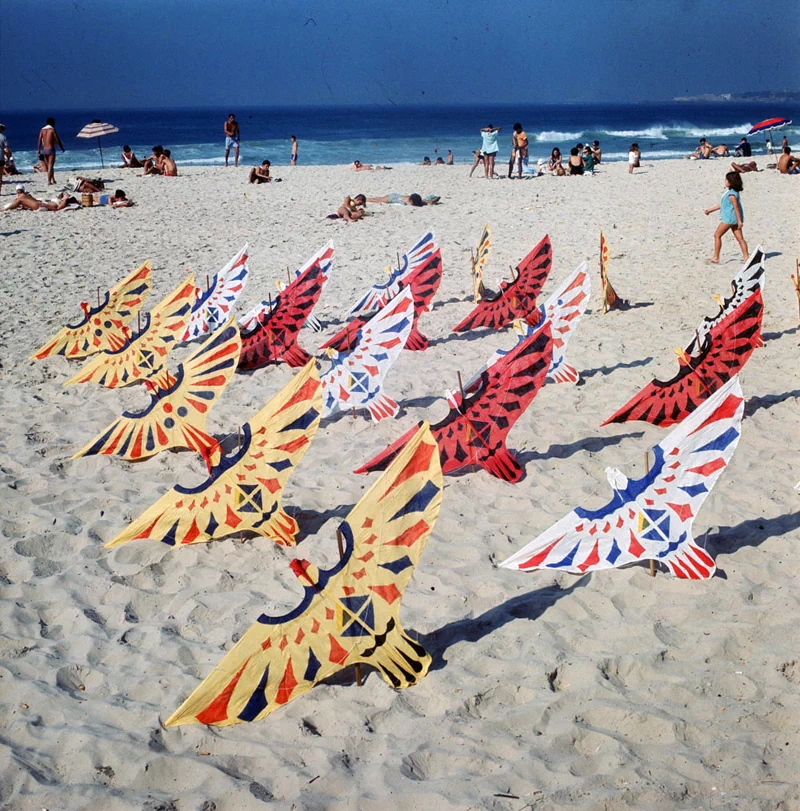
[
  {"x": 397, "y": 199},
  {"x": 29, "y": 202},
  {"x": 357, "y": 166}
]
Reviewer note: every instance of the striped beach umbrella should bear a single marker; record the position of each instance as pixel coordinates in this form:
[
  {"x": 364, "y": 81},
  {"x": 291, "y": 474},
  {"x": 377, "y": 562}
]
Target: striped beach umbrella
[
  {"x": 769, "y": 124},
  {"x": 95, "y": 130}
]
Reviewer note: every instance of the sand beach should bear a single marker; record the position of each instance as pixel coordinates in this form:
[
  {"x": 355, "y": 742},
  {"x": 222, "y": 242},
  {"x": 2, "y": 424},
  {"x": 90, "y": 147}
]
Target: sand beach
[{"x": 547, "y": 691}]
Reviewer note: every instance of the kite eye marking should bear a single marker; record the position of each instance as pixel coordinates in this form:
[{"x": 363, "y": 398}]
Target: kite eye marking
[
  {"x": 168, "y": 407},
  {"x": 169, "y": 422},
  {"x": 182, "y": 411}
]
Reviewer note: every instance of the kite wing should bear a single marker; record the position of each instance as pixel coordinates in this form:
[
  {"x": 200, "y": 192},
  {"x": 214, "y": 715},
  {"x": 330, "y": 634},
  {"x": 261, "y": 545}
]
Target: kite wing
[
  {"x": 424, "y": 282},
  {"x": 243, "y": 491},
  {"x": 146, "y": 351},
  {"x": 325, "y": 259},
  {"x": 349, "y": 613},
  {"x": 726, "y": 349},
  {"x": 379, "y": 294},
  {"x": 176, "y": 416},
  {"x": 747, "y": 281},
  {"x": 274, "y": 339},
  {"x": 474, "y": 431},
  {"x": 101, "y": 327},
  {"x": 516, "y": 299},
  {"x": 213, "y": 307},
  {"x": 563, "y": 310},
  {"x": 356, "y": 379},
  {"x": 650, "y": 518}
]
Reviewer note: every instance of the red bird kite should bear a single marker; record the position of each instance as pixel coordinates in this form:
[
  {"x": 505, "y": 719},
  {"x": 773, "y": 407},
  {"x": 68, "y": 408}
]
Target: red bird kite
[
  {"x": 516, "y": 299},
  {"x": 474, "y": 431}
]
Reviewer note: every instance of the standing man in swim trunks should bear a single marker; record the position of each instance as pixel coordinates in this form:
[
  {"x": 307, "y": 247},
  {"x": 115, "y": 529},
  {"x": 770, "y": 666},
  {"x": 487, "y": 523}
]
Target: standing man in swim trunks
[
  {"x": 232, "y": 138},
  {"x": 46, "y": 147},
  {"x": 294, "y": 150}
]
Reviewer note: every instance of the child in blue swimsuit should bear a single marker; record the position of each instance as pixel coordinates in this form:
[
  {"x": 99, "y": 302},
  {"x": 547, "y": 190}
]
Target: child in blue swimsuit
[{"x": 731, "y": 215}]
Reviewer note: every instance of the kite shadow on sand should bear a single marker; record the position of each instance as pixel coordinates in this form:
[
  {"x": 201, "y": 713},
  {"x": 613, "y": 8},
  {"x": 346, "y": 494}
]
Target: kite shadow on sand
[
  {"x": 472, "y": 335},
  {"x": 606, "y": 370},
  {"x": 455, "y": 300},
  {"x": 753, "y": 404},
  {"x": 753, "y": 532},
  {"x": 312, "y": 521},
  {"x": 591, "y": 444},
  {"x": 774, "y": 336},
  {"x": 528, "y": 606}
]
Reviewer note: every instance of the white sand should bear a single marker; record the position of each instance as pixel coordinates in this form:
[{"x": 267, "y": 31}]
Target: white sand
[{"x": 614, "y": 691}]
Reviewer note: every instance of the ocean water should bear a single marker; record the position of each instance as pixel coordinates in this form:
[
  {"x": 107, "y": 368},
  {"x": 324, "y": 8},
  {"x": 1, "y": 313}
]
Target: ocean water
[{"x": 397, "y": 135}]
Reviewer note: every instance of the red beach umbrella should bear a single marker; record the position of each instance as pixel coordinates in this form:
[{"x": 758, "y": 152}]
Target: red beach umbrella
[
  {"x": 95, "y": 130},
  {"x": 769, "y": 124}
]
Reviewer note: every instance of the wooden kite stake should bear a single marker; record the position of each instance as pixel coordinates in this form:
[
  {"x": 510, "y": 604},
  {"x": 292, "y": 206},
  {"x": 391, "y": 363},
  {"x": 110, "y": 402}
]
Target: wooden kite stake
[
  {"x": 647, "y": 470},
  {"x": 340, "y": 542},
  {"x": 138, "y": 321},
  {"x": 238, "y": 451},
  {"x": 208, "y": 283},
  {"x": 98, "y": 296},
  {"x": 288, "y": 276}
]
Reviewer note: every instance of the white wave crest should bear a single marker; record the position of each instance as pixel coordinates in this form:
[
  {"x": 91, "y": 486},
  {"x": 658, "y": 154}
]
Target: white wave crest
[
  {"x": 653, "y": 133},
  {"x": 712, "y": 132},
  {"x": 555, "y": 135}
]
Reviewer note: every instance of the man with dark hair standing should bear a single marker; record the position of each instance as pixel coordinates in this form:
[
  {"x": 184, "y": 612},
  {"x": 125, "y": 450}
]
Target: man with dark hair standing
[
  {"x": 46, "y": 147},
  {"x": 232, "y": 138}
]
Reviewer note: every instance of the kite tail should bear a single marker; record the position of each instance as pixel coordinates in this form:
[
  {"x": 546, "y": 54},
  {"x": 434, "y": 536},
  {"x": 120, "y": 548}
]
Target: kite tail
[
  {"x": 690, "y": 562},
  {"x": 281, "y": 527},
  {"x": 566, "y": 373},
  {"x": 503, "y": 465},
  {"x": 384, "y": 459},
  {"x": 382, "y": 407},
  {"x": 313, "y": 323},
  {"x": 416, "y": 342},
  {"x": 399, "y": 659},
  {"x": 296, "y": 356}
]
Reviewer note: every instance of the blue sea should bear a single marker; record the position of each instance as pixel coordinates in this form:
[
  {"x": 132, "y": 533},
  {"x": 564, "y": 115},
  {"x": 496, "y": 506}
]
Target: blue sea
[{"x": 397, "y": 135}]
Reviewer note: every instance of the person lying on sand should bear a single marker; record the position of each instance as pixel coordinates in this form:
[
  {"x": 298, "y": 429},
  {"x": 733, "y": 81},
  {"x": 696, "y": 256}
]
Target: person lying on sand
[
  {"x": 83, "y": 185},
  {"x": 29, "y": 202},
  {"x": 260, "y": 174},
  {"x": 119, "y": 200},
  {"x": 40, "y": 166},
  {"x": 750, "y": 166},
  {"x": 397, "y": 199},
  {"x": 788, "y": 164},
  {"x": 357, "y": 166},
  {"x": 129, "y": 159}
]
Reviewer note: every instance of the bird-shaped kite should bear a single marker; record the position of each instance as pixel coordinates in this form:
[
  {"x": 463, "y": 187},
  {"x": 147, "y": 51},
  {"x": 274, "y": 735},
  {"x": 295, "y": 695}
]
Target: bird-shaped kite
[
  {"x": 324, "y": 257},
  {"x": 356, "y": 379},
  {"x": 349, "y": 614},
  {"x": 726, "y": 348},
  {"x": 101, "y": 327},
  {"x": 475, "y": 429},
  {"x": 423, "y": 283},
  {"x": 563, "y": 310},
  {"x": 478, "y": 261},
  {"x": 379, "y": 294},
  {"x": 177, "y": 413},
  {"x": 146, "y": 350},
  {"x": 609, "y": 295},
  {"x": 274, "y": 339},
  {"x": 243, "y": 490},
  {"x": 213, "y": 307},
  {"x": 516, "y": 299},
  {"x": 649, "y": 518},
  {"x": 747, "y": 281}
]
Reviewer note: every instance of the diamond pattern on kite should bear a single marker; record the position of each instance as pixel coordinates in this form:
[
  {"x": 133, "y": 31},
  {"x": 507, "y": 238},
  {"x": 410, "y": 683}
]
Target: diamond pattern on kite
[
  {"x": 102, "y": 326},
  {"x": 748, "y": 280},
  {"x": 409, "y": 263},
  {"x": 176, "y": 416},
  {"x": 563, "y": 310},
  {"x": 355, "y": 380},
  {"x": 274, "y": 338},
  {"x": 213, "y": 307},
  {"x": 474, "y": 431},
  {"x": 146, "y": 351},
  {"x": 649, "y": 518},
  {"x": 725, "y": 350},
  {"x": 516, "y": 299},
  {"x": 349, "y": 614},
  {"x": 243, "y": 491},
  {"x": 423, "y": 283},
  {"x": 324, "y": 257}
]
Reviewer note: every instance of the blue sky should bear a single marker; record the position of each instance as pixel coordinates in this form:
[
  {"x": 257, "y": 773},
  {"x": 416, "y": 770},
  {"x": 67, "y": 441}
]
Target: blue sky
[{"x": 60, "y": 54}]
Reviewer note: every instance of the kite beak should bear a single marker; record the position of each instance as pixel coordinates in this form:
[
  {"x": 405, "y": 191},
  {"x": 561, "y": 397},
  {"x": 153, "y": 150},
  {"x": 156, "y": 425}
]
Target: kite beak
[{"x": 306, "y": 572}]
